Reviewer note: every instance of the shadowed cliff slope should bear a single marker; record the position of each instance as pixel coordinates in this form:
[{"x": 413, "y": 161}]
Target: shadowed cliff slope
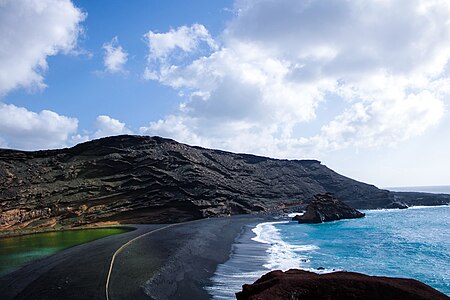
[{"x": 141, "y": 179}]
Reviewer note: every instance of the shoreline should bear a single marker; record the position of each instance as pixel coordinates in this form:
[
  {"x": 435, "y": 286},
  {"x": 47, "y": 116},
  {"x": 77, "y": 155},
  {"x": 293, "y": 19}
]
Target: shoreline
[
  {"x": 179, "y": 262},
  {"x": 193, "y": 260},
  {"x": 175, "y": 263},
  {"x": 6, "y": 233},
  {"x": 244, "y": 265},
  {"x": 320, "y": 268},
  {"x": 257, "y": 251},
  {"x": 20, "y": 232}
]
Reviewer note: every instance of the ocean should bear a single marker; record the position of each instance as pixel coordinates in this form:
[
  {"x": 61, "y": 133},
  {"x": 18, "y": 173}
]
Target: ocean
[{"x": 410, "y": 243}]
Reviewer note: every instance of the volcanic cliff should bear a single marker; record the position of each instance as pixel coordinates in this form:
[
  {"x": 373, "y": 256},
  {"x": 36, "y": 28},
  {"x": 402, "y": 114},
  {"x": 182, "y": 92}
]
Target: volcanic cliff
[{"x": 139, "y": 179}]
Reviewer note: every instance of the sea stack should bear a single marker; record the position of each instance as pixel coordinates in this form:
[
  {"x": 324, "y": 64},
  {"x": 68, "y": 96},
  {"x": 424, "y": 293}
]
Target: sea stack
[{"x": 325, "y": 208}]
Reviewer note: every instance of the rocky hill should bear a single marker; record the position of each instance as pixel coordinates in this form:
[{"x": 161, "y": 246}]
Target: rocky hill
[{"x": 137, "y": 179}]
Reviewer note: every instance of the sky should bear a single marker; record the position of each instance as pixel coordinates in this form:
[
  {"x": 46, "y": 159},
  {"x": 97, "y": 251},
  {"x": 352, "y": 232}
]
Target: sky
[{"x": 362, "y": 86}]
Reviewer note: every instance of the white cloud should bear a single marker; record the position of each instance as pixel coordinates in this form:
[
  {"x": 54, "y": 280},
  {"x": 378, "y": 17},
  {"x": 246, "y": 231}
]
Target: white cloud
[
  {"x": 31, "y": 31},
  {"x": 107, "y": 126},
  {"x": 27, "y": 130},
  {"x": 382, "y": 122},
  {"x": 24, "y": 129},
  {"x": 280, "y": 61},
  {"x": 77, "y": 139},
  {"x": 115, "y": 57},
  {"x": 183, "y": 38},
  {"x": 175, "y": 45}
]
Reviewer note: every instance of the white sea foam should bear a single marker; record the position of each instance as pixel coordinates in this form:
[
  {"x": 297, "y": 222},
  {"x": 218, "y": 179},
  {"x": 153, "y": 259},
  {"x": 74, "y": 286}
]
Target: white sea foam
[
  {"x": 305, "y": 248},
  {"x": 381, "y": 210},
  {"x": 423, "y": 206},
  {"x": 291, "y": 215},
  {"x": 388, "y": 210},
  {"x": 281, "y": 255},
  {"x": 266, "y": 232},
  {"x": 249, "y": 261},
  {"x": 320, "y": 271}
]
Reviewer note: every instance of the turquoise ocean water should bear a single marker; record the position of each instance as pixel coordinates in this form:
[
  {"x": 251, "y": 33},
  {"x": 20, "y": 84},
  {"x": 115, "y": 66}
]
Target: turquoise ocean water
[{"x": 411, "y": 243}]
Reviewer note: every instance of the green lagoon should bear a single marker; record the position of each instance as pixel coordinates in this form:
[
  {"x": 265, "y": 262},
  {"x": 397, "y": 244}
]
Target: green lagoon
[{"x": 18, "y": 251}]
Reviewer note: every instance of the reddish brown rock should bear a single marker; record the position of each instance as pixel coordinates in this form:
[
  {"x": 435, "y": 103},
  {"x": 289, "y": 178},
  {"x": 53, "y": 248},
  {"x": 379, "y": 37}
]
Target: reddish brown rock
[{"x": 304, "y": 285}]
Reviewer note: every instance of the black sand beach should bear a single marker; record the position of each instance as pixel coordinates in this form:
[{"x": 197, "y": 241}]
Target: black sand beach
[{"x": 173, "y": 263}]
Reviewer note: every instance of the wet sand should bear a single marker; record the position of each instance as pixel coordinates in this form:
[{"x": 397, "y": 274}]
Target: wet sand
[{"x": 174, "y": 263}]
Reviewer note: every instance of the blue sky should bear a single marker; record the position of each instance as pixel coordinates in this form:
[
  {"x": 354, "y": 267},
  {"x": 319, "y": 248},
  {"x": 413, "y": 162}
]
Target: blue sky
[
  {"x": 76, "y": 89},
  {"x": 363, "y": 88}
]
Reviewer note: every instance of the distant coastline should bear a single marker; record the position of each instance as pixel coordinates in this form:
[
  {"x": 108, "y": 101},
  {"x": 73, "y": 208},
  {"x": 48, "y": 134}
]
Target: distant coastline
[{"x": 438, "y": 189}]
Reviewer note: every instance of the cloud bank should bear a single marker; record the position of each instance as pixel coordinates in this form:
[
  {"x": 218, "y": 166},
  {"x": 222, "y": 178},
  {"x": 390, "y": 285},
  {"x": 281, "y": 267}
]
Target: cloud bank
[
  {"x": 28, "y": 130},
  {"x": 30, "y": 32},
  {"x": 260, "y": 86},
  {"x": 24, "y": 129}
]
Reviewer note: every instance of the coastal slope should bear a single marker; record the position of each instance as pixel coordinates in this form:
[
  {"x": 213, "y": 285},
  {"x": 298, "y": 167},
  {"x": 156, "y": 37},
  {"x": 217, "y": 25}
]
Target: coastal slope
[{"x": 141, "y": 179}]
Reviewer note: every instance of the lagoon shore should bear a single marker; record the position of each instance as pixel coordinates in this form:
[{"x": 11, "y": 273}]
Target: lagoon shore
[{"x": 173, "y": 263}]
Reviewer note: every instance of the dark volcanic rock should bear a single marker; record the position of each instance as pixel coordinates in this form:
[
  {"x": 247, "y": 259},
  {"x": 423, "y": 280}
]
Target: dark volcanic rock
[
  {"x": 398, "y": 205},
  {"x": 137, "y": 179},
  {"x": 413, "y": 198},
  {"x": 325, "y": 208},
  {"x": 304, "y": 285}
]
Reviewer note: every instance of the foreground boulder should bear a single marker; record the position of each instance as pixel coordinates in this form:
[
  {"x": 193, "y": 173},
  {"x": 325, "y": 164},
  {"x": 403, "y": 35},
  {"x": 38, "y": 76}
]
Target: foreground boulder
[
  {"x": 325, "y": 208},
  {"x": 299, "y": 284}
]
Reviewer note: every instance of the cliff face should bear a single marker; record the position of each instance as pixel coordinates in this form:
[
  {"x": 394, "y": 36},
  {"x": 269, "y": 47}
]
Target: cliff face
[{"x": 137, "y": 179}]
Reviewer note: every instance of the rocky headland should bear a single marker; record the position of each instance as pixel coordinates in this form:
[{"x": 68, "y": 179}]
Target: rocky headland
[
  {"x": 298, "y": 284},
  {"x": 140, "y": 179},
  {"x": 397, "y": 205},
  {"x": 326, "y": 208}
]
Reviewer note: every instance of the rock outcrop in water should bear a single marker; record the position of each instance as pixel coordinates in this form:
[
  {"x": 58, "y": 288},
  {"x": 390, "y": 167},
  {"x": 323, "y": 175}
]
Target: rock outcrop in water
[
  {"x": 326, "y": 208},
  {"x": 138, "y": 179},
  {"x": 397, "y": 205},
  {"x": 299, "y": 284}
]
